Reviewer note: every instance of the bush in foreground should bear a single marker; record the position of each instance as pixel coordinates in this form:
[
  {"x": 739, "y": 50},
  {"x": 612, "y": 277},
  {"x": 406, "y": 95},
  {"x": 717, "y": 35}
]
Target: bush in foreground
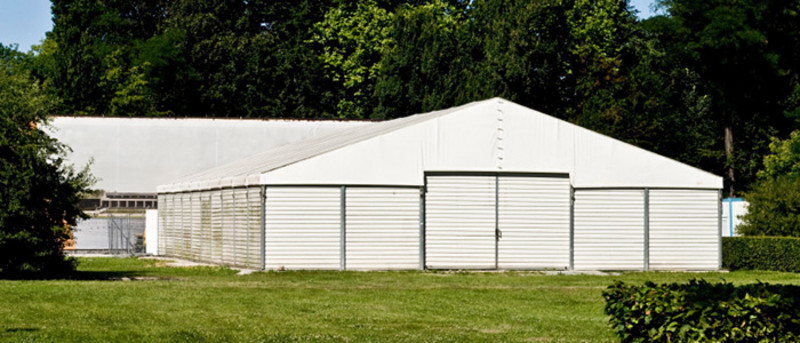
[
  {"x": 703, "y": 311},
  {"x": 761, "y": 253}
]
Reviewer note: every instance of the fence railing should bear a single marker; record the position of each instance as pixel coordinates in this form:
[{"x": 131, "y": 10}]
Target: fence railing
[{"x": 126, "y": 235}]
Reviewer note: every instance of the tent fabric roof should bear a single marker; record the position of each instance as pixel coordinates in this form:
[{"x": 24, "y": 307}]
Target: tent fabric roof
[
  {"x": 292, "y": 153},
  {"x": 513, "y": 137}
]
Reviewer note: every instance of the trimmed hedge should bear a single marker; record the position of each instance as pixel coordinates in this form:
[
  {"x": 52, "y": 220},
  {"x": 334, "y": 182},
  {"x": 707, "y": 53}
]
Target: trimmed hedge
[
  {"x": 762, "y": 253},
  {"x": 703, "y": 311}
]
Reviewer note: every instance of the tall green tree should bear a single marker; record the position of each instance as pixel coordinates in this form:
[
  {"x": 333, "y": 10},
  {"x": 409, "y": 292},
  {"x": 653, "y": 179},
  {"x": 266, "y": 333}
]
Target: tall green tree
[
  {"x": 420, "y": 69},
  {"x": 730, "y": 46},
  {"x": 353, "y": 38},
  {"x": 38, "y": 189}
]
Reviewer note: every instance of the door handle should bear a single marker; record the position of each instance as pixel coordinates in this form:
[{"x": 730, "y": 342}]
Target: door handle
[{"x": 498, "y": 234}]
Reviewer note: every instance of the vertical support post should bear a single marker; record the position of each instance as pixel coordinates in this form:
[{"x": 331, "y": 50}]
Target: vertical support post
[
  {"x": 497, "y": 233},
  {"x": 263, "y": 227},
  {"x": 343, "y": 229},
  {"x": 571, "y": 228},
  {"x": 719, "y": 228},
  {"x": 646, "y": 229},
  {"x": 422, "y": 227}
]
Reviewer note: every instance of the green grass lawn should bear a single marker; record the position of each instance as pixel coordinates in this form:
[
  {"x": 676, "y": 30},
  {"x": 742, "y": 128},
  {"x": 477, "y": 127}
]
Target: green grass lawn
[{"x": 215, "y": 304}]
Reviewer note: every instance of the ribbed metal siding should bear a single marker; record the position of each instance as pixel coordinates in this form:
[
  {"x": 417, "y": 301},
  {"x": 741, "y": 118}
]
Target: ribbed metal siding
[
  {"x": 303, "y": 227},
  {"x": 185, "y": 249},
  {"x": 162, "y": 223},
  {"x": 253, "y": 260},
  {"x": 240, "y": 226},
  {"x": 205, "y": 227},
  {"x": 534, "y": 222},
  {"x": 683, "y": 229},
  {"x": 382, "y": 228},
  {"x": 196, "y": 244},
  {"x": 460, "y": 222},
  {"x": 216, "y": 226},
  {"x": 228, "y": 224},
  {"x": 165, "y": 231},
  {"x": 609, "y": 229},
  {"x": 174, "y": 225}
]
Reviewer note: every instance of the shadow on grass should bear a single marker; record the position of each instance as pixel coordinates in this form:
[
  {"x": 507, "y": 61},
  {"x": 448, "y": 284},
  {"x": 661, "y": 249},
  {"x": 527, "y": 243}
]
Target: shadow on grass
[
  {"x": 11, "y": 330},
  {"x": 80, "y": 276}
]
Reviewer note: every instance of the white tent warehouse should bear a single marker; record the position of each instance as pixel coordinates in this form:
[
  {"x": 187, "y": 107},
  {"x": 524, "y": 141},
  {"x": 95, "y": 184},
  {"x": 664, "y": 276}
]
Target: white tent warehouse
[{"x": 487, "y": 185}]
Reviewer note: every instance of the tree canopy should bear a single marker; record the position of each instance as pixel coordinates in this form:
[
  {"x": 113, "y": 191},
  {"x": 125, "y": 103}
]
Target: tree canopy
[{"x": 707, "y": 83}]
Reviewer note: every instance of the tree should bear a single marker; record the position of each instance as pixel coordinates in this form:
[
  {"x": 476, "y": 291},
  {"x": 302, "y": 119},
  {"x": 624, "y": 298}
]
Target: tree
[
  {"x": 774, "y": 201},
  {"x": 420, "y": 68},
  {"x": 38, "y": 190},
  {"x": 353, "y": 40},
  {"x": 742, "y": 52}
]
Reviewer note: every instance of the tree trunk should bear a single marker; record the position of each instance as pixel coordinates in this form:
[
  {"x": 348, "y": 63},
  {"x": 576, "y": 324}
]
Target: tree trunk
[{"x": 729, "y": 160}]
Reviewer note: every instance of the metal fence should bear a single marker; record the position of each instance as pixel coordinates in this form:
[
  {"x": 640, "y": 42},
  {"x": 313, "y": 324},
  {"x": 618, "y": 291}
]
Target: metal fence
[{"x": 126, "y": 234}]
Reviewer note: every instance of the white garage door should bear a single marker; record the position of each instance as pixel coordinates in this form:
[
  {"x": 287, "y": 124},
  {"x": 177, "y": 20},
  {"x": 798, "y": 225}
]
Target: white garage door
[
  {"x": 382, "y": 228},
  {"x": 609, "y": 230},
  {"x": 303, "y": 227},
  {"x": 684, "y": 229},
  {"x": 460, "y": 222},
  {"x": 534, "y": 222}
]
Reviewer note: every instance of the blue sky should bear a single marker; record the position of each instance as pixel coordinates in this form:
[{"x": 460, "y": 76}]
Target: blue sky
[{"x": 24, "y": 22}]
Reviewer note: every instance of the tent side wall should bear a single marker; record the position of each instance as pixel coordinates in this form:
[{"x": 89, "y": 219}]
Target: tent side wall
[
  {"x": 647, "y": 229},
  {"x": 215, "y": 226}
]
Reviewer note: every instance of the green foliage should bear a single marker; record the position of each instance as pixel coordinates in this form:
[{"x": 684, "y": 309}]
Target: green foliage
[
  {"x": 672, "y": 84},
  {"x": 38, "y": 190},
  {"x": 784, "y": 157},
  {"x": 774, "y": 208},
  {"x": 761, "y": 253},
  {"x": 774, "y": 201},
  {"x": 703, "y": 311},
  {"x": 353, "y": 39},
  {"x": 424, "y": 63}
]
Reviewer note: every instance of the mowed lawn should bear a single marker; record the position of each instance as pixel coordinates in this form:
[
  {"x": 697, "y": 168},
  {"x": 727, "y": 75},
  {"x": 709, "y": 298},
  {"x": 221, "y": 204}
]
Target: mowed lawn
[{"x": 126, "y": 299}]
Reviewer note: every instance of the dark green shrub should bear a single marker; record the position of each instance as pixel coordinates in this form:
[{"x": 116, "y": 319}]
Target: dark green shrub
[
  {"x": 703, "y": 311},
  {"x": 762, "y": 253}
]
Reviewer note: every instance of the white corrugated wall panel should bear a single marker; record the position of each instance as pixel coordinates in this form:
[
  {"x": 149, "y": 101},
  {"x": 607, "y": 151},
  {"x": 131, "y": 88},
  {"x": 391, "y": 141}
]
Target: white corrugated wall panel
[
  {"x": 303, "y": 227},
  {"x": 228, "y": 215},
  {"x": 172, "y": 223},
  {"x": 254, "y": 228},
  {"x": 165, "y": 236},
  {"x": 162, "y": 223},
  {"x": 186, "y": 226},
  {"x": 382, "y": 230},
  {"x": 609, "y": 229},
  {"x": 684, "y": 229},
  {"x": 216, "y": 227},
  {"x": 240, "y": 226},
  {"x": 197, "y": 230},
  {"x": 205, "y": 226},
  {"x": 534, "y": 222},
  {"x": 460, "y": 222}
]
